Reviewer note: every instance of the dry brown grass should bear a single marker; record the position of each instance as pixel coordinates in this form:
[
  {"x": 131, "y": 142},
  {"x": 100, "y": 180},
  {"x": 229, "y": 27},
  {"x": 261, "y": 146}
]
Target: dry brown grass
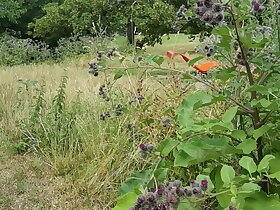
[{"x": 91, "y": 178}]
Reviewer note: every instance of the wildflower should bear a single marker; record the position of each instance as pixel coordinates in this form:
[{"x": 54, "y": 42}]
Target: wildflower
[{"x": 204, "y": 185}]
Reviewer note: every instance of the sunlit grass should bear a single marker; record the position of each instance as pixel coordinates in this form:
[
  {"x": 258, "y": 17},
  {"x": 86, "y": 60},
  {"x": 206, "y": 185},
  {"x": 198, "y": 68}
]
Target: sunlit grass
[{"x": 90, "y": 178}]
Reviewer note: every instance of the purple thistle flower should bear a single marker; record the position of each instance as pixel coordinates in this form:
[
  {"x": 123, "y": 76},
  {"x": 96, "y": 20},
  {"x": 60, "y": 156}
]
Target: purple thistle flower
[
  {"x": 207, "y": 16},
  {"x": 208, "y": 3},
  {"x": 140, "y": 199},
  {"x": 171, "y": 199},
  {"x": 150, "y": 197},
  {"x": 160, "y": 192},
  {"x": 242, "y": 62},
  {"x": 219, "y": 17},
  {"x": 142, "y": 146},
  {"x": 194, "y": 184},
  {"x": 196, "y": 191},
  {"x": 187, "y": 192},
  {"x": 256, "y": 6},
  {"x": 199, "y": 11},
  {"x": 179, "y": 192},
  {"x": 150, "y": 147},
  {"x": 217, "y": 7},
  {"x": 200, "y": 3},
  {"x": 204, "y": 185}
]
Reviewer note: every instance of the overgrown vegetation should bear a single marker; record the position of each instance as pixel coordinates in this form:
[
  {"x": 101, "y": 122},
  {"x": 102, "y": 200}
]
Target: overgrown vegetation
[{"x": 144, "y": 131}]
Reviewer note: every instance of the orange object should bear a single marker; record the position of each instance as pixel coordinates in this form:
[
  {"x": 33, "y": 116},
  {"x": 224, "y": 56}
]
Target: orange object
[
  {"x": 201, "y": 68},
  {"x": 171, "y": 54},
  {"x": 206, "y": 66}
]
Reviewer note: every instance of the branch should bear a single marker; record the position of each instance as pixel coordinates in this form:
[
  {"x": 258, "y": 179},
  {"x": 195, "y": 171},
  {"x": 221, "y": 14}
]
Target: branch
[{"x": 212, "y": 86}]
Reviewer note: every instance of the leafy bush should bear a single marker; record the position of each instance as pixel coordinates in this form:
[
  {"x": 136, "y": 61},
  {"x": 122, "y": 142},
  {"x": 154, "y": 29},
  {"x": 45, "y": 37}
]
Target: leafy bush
[
  {"x": 14, "y": 51},
  {"x": 74, "y": 45},
  {"x": 234, "y": 148}
]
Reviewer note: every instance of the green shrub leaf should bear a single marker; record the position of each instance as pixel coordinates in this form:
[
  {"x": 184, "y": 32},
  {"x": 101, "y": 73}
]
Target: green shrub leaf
[
  {"x": 229, "y": 114},
  {"x": 126, "y": 201},
  {"x": 227, "y": 174},
  {"x": 264, "y": 164},
  {"x": 261, "y": 131},
  {"x": 166, "y": 146},
  {"x": 248, "y": 163},
  {"x": 247, "y": 146}
]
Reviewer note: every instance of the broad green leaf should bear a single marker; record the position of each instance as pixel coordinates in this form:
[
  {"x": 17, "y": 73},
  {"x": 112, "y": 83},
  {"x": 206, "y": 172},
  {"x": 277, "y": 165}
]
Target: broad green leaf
[
  {"x": 264, "y": 164},
  {"x": 261, "y": 103},
  {"x": 181, "y": 158},
  {"x": 118, "y": 75},
  {"x": 126, "y": 201},
  {"x": 226, "y": 74},
  {"x": 158, "y": 60},
  {"x": 247, "y": 146},
  {"x": 260, "y": 201},
  {"x": 239, "y": 134},
  {"x": 223, "y": 31},
  {"x": 190, "y": 103},
  {"x": 258, "y": 88},
  {"x": 261, "y": 131},
  {"x": 200, "y": 149},
  {"x": 133, "y": 181},
  {"x": 161, "y": 174},
  {"x": 275, "y": 176},
  {"x": 224, "y": 199},
  {"x": 166, "y": 146},
  {"x": 201, "y": 177},
  {"x": 229, "y": 114},
  {"x": 193, "y": 61},
  {"x": 274, "y": 165},
  {"x": 248, "y": 163},
  {"x": 227, "y": 174},
  {"x": 186, "y": 204},
  {"x": 250, "y": 187}
]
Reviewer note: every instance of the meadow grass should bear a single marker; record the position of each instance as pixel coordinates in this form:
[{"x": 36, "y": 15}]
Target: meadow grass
[{"x": 99, "y": 155}]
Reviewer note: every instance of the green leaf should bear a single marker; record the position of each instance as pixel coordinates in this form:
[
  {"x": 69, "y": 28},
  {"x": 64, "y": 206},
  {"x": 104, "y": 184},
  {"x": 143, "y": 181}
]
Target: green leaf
[
  {"x": 264, "y": 164},
  {"x": 275, "y": 176},
  {"x": 133, "y": 181},
  {"x": 200, "y": 149},
  {"x": 181, "y": 158},
  {"x": 247, "y": 146},
  {"x": 229, "y": 115},
  {"x": 260, "y": 131},
  {"x": 223, "y": 31},
  {"x": 186, "y": 204},
  {"x": 118, "y": 75},
  {"x": 201, "y": 177},
  {"x": 260, "y": 201},
  {"x": 227, "y": 174},
  {"x": 158, "y": 60},
  {"x": 161, "y": 174},
  {"x": 224, "y": 199},
  {"x": 248, "y": 163},
  {"x": 166, "y": 146},
  {"x": 188, "y": 105},
  {"x": 239, "y": 134},
  {"x": 249, "y": 187},
  {"x": 193, "y": 61},
  {"x": 258, "y": 88},
  {"x": 126, "y": 201}
]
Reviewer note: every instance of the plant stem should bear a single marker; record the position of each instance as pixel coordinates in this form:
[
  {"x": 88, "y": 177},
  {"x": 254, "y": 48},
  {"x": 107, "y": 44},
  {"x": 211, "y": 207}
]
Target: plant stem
[{"x": 212, "y": 86}]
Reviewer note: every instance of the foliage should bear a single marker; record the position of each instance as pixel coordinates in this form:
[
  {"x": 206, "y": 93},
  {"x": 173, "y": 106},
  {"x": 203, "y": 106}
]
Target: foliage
[
  {"x": 235, "y": 147},
  {"x": 14, "y": 51},
  {"x": 147, "y": 15}
]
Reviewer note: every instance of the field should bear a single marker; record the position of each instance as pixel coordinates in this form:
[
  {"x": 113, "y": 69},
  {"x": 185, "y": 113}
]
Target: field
[{"x": 99, "y": 155}]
